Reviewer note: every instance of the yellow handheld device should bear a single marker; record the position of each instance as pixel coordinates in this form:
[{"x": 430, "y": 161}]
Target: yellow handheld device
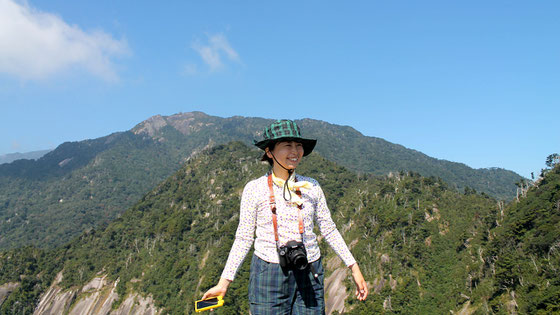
[{"x": 203, "y": 305}]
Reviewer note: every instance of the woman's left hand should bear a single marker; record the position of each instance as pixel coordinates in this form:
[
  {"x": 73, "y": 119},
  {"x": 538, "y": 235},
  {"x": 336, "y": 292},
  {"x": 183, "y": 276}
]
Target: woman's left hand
[{"x": 361, "y": 285}]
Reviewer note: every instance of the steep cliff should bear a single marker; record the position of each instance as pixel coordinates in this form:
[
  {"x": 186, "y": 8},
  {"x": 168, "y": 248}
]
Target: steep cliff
[{"x": 94, "y": 298}]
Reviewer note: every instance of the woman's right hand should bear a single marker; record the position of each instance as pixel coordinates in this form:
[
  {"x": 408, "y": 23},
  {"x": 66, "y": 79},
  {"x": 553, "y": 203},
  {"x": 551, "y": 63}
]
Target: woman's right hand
[{"x": 219, "y": 290}]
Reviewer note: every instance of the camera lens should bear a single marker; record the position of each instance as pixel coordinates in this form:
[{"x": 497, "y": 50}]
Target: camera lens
[
  {"x": 300, "y": 262},
  {"x": 297, "y": 255}
]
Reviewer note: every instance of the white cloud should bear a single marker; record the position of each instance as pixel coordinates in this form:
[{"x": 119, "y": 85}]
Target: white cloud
[
  {"x": 37, "y": 45},
  {"x": 216, "y": 48}
]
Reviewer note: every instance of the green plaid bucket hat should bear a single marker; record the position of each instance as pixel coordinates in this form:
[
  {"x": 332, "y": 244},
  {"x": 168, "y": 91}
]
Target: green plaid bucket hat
[{"x": 285, "y": 130}]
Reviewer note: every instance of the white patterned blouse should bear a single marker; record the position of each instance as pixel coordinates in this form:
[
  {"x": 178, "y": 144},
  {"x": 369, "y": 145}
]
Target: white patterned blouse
[{"x": 256, "y": 216}]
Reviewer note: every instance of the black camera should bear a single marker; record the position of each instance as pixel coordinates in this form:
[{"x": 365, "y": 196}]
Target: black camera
[{"x": 293, "y": 256}]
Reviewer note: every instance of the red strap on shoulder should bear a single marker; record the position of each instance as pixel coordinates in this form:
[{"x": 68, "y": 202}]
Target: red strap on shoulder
[{"x": 273, "y": 209}]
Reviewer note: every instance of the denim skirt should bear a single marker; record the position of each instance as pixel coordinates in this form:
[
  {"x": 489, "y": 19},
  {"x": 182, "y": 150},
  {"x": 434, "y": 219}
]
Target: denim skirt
[{"x": 273, "y": 290}]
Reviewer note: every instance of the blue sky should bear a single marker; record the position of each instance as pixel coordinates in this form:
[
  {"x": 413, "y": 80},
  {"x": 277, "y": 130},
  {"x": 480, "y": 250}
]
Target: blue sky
[{"x": 475, "y": 82}]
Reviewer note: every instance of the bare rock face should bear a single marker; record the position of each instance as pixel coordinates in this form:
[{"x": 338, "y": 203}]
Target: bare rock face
[
  {"x": 335, "y": 290},
  {"x": 55, "y": 301},
  {"x": 151, "y": 125},
  {"x": 136, "y": 304},
  {"x": 96, "y": 297},
  {"x": 185, "y": 123},
  {"x": 6, "y": 289}
]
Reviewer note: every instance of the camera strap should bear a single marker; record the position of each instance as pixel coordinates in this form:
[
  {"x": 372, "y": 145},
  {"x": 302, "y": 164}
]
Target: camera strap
[
  {"x": 273, "y": 209},
  {"x": 275, "y": 220}
]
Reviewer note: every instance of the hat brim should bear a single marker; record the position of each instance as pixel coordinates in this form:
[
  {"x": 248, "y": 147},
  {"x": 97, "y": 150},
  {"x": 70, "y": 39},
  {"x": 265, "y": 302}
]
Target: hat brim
[{"x": 308, "y": 144}]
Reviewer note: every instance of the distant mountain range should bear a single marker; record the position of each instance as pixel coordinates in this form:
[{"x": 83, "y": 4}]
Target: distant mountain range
[
  {"x": 33, "y": 155},
  {"x": 80, "y": 185}
]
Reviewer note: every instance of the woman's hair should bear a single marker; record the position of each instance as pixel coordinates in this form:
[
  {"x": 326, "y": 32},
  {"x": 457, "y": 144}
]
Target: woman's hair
[{"x": 265, "y": 157}]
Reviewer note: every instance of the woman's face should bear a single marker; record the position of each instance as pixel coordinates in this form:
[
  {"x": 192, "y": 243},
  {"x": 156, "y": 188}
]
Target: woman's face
[{"x": 288, "y": 153}]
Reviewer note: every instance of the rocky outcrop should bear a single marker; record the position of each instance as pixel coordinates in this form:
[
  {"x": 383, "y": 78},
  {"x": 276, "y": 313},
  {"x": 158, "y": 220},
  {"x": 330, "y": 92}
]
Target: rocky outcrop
[
  {"x": 335, "y": 290},
  {"x": 55, "y": 300},
  {"x": 6, "y": 289},
  {"x": 185, "y": 123},
  {"x": 96, "y": 297},
  {"x": 136, "y": 304},
  {"x": 150, "y": 126},
  {"x": 188, "y": 123}
]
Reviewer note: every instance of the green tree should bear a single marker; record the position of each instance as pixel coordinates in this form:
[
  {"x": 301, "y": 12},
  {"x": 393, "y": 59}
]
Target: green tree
[{"x": 552, "y": 160}]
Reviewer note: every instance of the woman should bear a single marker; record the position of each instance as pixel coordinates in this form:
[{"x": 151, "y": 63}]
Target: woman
[{"x": 286, "y": 270}]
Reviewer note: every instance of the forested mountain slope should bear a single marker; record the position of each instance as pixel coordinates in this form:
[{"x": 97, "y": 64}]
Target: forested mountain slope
[
  {"x": 83, "y": 184},
  {"x": 424, "y": 248},
  {"x": 524, "y": 254}
]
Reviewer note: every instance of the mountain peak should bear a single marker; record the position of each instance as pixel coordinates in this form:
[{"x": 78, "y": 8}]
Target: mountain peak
[
  {"x": 150, "y": 126},
  {"x": 185, "y": 123}
]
